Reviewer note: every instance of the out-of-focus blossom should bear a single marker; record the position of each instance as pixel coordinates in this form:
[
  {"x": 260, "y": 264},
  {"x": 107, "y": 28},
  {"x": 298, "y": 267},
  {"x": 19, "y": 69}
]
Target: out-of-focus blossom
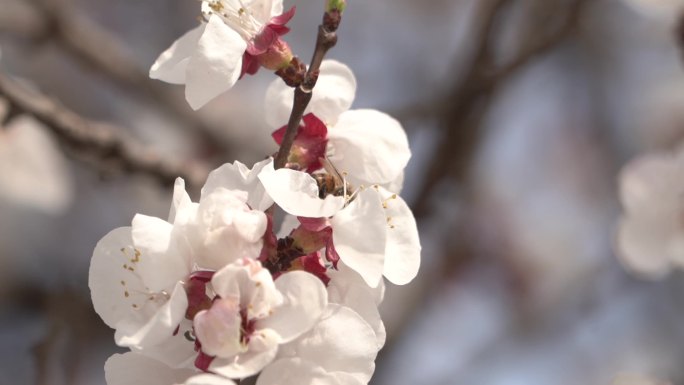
[
  {"x": 33, "y": 171},
  {"x": 236, "y": 38},
  {"x": 651, "y": 233},
  {"x": 661, "y": 9}
]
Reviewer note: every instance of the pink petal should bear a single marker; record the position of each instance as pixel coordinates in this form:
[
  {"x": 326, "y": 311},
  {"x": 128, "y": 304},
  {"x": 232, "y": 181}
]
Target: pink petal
[
  {"x": 283, "y": 19},
  {"x": 262, "y": 42}
]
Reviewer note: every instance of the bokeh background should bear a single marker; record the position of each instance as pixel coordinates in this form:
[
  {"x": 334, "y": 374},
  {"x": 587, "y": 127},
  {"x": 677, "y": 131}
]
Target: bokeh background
[{"x": 520, "y": 115}]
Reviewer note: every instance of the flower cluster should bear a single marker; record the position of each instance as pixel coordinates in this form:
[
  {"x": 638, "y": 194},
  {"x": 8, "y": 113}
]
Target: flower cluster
[
  {"x": 225, "y": 289},
  {"x": 650, "y": 238},
  {"x": 236, "y": 37}
]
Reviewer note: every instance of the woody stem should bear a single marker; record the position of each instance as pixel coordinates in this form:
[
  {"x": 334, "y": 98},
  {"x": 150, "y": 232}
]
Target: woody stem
[{"x": 326, "y": 39}]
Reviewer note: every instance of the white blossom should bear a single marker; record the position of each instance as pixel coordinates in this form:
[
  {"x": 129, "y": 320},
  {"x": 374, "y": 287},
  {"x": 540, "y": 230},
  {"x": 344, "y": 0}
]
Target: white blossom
[
  {"x": 651, "y": 232},
  {"x": 369, "y": 146},
  {"x": 254, "y": 314},
  {"x": 135, "y": 281},
  {"x": 225, "y": 229},
  {"x": 34, "y": 172},
  {"x": 340, "y": 349},
  {"x": 137, "y": 273},
  {"x": 375, "y": 234},
  {"x": 209, "y": 58},
  {"x": 659, "y": 9}
]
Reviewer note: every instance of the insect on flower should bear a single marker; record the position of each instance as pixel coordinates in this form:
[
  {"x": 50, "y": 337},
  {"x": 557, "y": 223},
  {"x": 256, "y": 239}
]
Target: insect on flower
[{"x": 332, "y": 182}]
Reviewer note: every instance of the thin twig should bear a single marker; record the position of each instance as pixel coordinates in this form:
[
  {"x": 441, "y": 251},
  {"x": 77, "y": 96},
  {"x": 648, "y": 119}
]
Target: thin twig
[
  {"x": 325, "y": 40},
  {"x": 101, "y": 141}
]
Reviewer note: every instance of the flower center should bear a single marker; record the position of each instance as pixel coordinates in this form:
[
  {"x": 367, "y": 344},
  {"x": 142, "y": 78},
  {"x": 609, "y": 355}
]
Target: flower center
[{"x": 236, "y": 15}]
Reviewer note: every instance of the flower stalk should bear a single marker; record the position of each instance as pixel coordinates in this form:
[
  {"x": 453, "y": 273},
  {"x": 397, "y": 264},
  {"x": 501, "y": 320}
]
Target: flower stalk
[{"x": 325, "y": 40}]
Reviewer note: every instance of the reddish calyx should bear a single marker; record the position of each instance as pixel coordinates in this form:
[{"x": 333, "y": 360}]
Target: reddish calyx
[
  {"x": 309, "y": 144},
  {"x": 267, "y": 49},
  {"x": 196, "y": 290}
]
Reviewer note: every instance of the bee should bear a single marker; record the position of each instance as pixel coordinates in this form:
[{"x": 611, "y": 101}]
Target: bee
[{"x": 331, "y": 182}]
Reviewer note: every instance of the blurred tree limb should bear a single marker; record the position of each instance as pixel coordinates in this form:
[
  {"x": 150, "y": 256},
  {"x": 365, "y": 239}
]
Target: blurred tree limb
[
  {"x": 463, "y": 108},
  {"x": 102, "y": 143},
  {"x": 95, "y": 47},
  {"x": 459, "y": 113}
]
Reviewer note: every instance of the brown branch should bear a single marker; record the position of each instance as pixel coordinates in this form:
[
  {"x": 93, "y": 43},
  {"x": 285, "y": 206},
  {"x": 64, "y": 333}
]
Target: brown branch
[
  {"x": 103, "y": 142},
  {"x": 101, "y": 51},
  {"x": 539, "y": 45},
  {"x": 464, "y": 108},
  {"x": 325, "y": 40}
]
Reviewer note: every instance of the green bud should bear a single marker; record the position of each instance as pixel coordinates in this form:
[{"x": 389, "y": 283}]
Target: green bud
[{"x": 336, "y": 5}]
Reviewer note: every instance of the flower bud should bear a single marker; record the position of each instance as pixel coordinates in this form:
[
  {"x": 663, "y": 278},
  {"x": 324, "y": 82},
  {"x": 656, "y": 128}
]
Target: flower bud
[
  {"x": 336, "y": 5},
  {"x": 277, "y": 56}
]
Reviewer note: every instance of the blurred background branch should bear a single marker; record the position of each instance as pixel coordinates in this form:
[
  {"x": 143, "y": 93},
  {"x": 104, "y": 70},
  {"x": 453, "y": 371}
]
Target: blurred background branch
[
  {"x": 60, "y": 22},
  {"x": 519, "y": 113},
  {"x": 461, "y": 110},
  {"x": 102, "y": 143}
]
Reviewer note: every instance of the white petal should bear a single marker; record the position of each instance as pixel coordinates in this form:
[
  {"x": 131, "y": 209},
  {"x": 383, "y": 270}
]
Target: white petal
[
  {"x": 237, "y": 176},
  {"x": 176, "y": 351},
  {"x": 396, "y": 185},
  {"x": 345, "y": 378},
  {"x": 226, "y": 229},
  {"x": 278, "y": 104},
  {"x": 297, "y": 193},
  {"x": 650, "y": 180},
  {"x": 334, "y": 92},
  {"x": 305, "y": 299},
  {"x": 182, "y": 207},
  {"x": 370, "y": 146},
  {"x": 106, "y": 273},
  {"x": 251, "y": 283},
  {"x": 208, "y": 379},
  {"x": 216, "y": 64},
  {"x": 642, "y": 246},
  {"x": 135, "y": 369},
  {"x": 155, "y": 323},
  {"x": 663, "y": 11},
  {"x": 290, "y": 222},
  {"x": 263, "y": 347},
  {"x": 348, "y": 289},
  {"x": 402, "y": 253},
  {"x": 33, "y": 169},
  {"x": 161, "y": 258},
  {"x": 295, "y": 371},
  {"x": 218, "y": 328},
  {"x": 333, "y": 95},
  {"x": 264, "y": 10},
  {"x": 276, "y": 7},
  {"x": 342, "y": 341},
  {"x": 359, "y": 235},
  {"x": 172, "y": 64}
]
